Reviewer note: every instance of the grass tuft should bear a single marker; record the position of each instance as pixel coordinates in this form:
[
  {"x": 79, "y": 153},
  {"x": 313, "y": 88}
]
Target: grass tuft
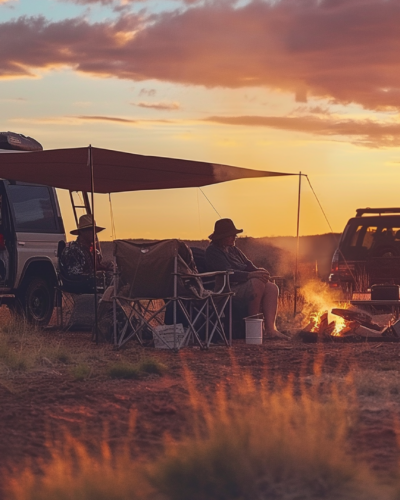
[
  {"x": 254, "y": 443},
  {"x": 75, "y": 473},
  {"x": 123, "y": 370},
  {"x": 12, "y": 358},
  {"x": 263, "y": 444},
  {"x": 151, "y": 365},
  {"x": 81, "y": 371},
  {"x": 63, "y": 356}
]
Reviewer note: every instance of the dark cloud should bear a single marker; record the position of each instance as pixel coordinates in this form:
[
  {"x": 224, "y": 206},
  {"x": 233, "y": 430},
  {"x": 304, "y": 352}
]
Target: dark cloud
[
  {"x": 14, "y": 99},
  {"x": 344, "y": 51},
  {"x": 148, "y": 92},
  {"x": 161, "y": 106},
  {"x": 363, "y": 132},
  {"x": 317, "y": 110},
  {"x": 125, "y": 121},
  {"x": 86, "y": 2},
  {"x": 115, "y": 119}
]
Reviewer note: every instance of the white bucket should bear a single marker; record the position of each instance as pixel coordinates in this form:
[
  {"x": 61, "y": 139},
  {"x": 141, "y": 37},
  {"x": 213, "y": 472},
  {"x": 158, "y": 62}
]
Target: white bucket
[{"x": 254, "y": 330}]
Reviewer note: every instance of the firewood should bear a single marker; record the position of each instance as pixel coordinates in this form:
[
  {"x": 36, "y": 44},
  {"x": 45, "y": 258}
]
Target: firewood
[
  {"x": 363, "y": 331},
  {"x": 323, "y": 324},
  {"x": 362, "y": 318},
  {"x": 349, "y": 329},
  {"x": 330, "y": 328},
  {"x": 309, "y": 327}
]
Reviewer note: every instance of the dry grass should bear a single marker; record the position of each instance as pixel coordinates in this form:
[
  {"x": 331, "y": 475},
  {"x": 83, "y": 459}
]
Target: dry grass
[
  {"x": 127, "y": 370},
  {"x": 82, "y": 371},
  {"x": 23, "y": 347},
  {"x": 263, "y": 444},
  {"x": 248, "y": 443},
  {"x": 123, "y": 370},
  {"x": 14, "y": 356}
]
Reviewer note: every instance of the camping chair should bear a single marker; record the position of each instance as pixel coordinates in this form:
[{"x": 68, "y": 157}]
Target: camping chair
[
  {"x": 239, "y": 309},
  {"x": 155, "y": 277}
]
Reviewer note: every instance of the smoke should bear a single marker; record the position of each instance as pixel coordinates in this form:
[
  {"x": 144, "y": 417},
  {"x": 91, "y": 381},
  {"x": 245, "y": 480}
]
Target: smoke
[
  {"x": 278, "y": 261},
  {"x": 317, "y": 296}
]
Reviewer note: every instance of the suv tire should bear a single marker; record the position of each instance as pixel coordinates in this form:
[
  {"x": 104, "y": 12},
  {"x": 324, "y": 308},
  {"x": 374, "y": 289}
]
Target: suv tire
[{"x": 38, "y": 301}]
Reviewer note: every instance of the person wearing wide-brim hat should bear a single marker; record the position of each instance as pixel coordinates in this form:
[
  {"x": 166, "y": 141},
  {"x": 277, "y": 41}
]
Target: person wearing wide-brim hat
[
  {"x": 251, "y": 284},
  {"x": 77, "y": 258},
  {"x": 85, "y": 223}
]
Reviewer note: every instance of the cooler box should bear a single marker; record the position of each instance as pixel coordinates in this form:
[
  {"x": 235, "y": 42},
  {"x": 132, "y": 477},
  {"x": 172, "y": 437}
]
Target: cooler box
[{"x": 385, "y": 292}]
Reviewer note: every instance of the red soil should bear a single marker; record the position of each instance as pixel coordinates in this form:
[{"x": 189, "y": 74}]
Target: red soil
[{"x": 38, "y": 406}]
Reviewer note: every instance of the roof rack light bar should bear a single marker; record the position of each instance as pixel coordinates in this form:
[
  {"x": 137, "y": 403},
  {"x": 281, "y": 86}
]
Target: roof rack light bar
[{"x": 379, "y": 211}]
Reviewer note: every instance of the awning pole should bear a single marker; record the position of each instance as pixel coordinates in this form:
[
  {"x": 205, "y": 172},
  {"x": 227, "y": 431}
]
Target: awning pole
[
  {"x": 297, "y": 248},
  {"x": 96, "y": 332}
]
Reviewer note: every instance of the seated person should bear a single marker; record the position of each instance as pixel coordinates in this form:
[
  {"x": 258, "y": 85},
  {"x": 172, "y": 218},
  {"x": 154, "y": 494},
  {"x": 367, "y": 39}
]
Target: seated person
[
  {"x": 76, "y": 260},
  {"x": 251, "y": 284}
]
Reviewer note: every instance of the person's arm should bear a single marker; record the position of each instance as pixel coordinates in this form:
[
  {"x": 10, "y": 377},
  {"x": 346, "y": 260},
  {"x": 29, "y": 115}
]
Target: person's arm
[
  {"x": 254, "y": 271},
  {"x": 250, "y": 267},
  {"x": 216, "y": 260}
]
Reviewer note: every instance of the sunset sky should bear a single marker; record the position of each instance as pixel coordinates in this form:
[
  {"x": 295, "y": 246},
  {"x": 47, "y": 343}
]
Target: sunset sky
[{"x": 282, "y": 85}]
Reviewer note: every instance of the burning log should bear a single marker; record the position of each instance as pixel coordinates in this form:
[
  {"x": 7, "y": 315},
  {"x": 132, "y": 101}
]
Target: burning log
[
  {"x": 349, "y": 325},
  {"x": 360, "y": 317},
  {"x": 348, "y": 329},
  {"x": 318, "y": 327},
  {"x": 323, "y": 323}
]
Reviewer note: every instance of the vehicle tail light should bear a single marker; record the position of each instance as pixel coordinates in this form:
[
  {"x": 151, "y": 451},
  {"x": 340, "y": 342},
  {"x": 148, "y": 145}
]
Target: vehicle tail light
[{"x": 335, "y": 262}]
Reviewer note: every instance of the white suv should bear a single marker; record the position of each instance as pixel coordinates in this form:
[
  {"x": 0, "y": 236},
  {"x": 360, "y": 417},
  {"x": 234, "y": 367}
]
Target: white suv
[{"x": 31, "y": 229}]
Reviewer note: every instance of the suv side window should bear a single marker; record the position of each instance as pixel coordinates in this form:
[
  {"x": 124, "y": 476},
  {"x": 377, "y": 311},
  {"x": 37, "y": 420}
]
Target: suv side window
[
  {"x": 354, "y": 238},
  {"x": 369, "y": 237},
  {"x": 33, "y": 208}
]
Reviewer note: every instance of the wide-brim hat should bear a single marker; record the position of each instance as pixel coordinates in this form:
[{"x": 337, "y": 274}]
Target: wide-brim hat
[
  {"x": 86, "y": 222},
  {"x": 224, "y": 228}
]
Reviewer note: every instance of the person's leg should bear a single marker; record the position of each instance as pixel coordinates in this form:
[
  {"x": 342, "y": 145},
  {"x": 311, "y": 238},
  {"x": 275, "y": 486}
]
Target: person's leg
[
  {"x": 261, "y": 297},
  {"x": 255, "y": 290},
  {"x": 269, "y": 306}
]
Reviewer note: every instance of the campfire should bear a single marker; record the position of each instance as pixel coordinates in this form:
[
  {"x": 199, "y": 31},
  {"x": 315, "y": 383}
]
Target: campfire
[{"x": 347, "y": 324}]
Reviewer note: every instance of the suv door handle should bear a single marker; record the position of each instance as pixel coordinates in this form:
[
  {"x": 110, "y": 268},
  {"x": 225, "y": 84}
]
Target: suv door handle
[{"x": 22, "y": 243}]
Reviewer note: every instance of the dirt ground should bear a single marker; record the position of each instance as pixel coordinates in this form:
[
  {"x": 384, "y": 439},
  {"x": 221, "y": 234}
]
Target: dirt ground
[{"x": 38, "y": 406}]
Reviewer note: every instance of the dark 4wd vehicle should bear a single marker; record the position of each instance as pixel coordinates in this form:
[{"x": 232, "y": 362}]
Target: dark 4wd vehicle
[{"x": 368, "y": 251}]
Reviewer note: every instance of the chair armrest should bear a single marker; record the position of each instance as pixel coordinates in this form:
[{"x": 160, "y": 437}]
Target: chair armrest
[
  {"x": 205, "y": 275},
  {"x": 225, "y": 286}
]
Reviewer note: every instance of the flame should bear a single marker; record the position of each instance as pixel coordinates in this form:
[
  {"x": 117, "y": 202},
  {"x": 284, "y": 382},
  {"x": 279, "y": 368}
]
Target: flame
[
  {"x": 315, "y": 320},
  {"x": 340, "y": 323}
]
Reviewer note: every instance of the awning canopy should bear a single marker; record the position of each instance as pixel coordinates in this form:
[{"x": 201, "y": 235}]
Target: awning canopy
[{"x": 115, "y": 171}]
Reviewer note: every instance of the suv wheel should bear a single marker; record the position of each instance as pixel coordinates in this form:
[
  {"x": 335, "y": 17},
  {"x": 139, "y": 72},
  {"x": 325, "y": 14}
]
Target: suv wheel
[{"x": 38, "y": 301}]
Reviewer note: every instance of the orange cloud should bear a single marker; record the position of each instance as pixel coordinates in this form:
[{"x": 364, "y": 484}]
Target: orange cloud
[
  {"x": 345, "y": 51},
  {"x": 363, "y": 132}
]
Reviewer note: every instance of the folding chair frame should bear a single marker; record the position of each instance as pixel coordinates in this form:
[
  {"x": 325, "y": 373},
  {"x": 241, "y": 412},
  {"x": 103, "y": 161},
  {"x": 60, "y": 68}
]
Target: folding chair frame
[{"x": 205, "y": 312}]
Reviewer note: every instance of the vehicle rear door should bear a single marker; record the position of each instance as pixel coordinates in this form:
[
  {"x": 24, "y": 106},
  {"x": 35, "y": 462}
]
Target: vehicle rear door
[
  {"x": 37, "y": 223},
  {"x": 7, "y": 243}
]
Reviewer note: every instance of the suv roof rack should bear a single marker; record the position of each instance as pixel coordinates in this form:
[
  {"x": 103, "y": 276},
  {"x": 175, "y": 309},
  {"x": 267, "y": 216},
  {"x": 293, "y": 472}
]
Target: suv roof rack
[{"x": 379, "y": 211}]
